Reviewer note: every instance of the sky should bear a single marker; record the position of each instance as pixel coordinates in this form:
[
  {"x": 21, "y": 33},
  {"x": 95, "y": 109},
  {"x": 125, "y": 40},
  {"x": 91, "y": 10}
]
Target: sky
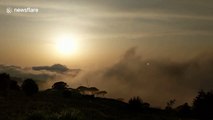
[{"x": 166, "y": 32}]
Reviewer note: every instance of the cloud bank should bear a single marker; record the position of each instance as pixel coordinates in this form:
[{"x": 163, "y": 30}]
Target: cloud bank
[
  {"x": 54, "y": 68},
  {"x": 156, "y": 81},
  {"x": 45, "y": 76}
]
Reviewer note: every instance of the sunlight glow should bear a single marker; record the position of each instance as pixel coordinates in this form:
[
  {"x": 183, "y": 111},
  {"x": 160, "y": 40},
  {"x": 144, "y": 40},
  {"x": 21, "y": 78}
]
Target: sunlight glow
[{"x": 66, "y": 45}]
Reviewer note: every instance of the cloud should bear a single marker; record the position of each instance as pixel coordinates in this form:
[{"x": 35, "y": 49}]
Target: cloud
[
  {"x": 54, "y": 68},
  {"x": 58, "y": 68},
  {"x": 24, "y": 73},
  {"x": 155, "y": 80},
  {"x": 120, "y": 19},
  {"x": 180, "y": 27},
  {"x": 45, "y": 76}
]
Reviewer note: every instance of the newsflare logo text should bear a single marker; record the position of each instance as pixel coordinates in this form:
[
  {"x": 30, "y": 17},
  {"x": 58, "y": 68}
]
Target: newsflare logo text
[{"x": 10, "y": 10}]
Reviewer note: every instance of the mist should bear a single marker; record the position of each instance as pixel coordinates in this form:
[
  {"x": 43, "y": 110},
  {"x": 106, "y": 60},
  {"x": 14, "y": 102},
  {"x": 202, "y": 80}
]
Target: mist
[{"x": 154, "y": 80}]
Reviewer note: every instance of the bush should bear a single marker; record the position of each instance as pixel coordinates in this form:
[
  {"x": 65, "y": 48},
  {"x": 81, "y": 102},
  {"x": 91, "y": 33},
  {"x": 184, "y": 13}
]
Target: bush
[
  {"x": 203, "y": 105},
  {"x": 70, "y": 93},
  {"x": 136, "y": 103},
  {"x": 4, "y": 84},
  {"x": 29, "y": 87},
  {"x": 14, "y": 85},
  {"x": 60, "y": 86},
  {"x": 184, "y": 111}
]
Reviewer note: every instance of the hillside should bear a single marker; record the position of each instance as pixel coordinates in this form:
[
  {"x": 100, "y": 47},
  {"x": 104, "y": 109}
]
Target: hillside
[{"x": 61, "y": 105}]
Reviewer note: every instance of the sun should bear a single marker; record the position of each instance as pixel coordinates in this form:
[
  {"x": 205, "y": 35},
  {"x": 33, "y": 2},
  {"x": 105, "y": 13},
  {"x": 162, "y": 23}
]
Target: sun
[{"x": 66, "y": 45}]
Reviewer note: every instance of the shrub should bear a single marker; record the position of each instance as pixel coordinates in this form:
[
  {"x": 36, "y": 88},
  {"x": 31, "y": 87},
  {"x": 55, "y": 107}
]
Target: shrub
[
  {"x": 4, "y": 84},
  {"x": 29, "y": 87},
  {"x": 184, "y": 111},
  {"x": 203, "y": 105},
  {"x": 60, "y": 86},
  {"x": 136, "y": 103},
  {"x": 14, "y": 85}
]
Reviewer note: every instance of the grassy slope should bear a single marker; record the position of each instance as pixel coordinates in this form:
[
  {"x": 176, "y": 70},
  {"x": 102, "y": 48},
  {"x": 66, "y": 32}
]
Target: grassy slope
[{"x": 52, "y": 105}]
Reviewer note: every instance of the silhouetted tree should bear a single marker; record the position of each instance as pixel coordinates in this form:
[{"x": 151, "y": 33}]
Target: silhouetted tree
[
  {"x": 82, "y": 89},
  {"x": 146, "y": 105},
  {"x": 67, "y": 93},
  {"x": 170, "y": 104},
  {"x": 101, "y": 93},
  {"x": 136, "y": 103},
  {"x": 93, "y": 90},
  {"x": 14, "y": 85},
  {"x": 87, "y": 91},
  {"x": 184, "y": 111},
  {"x": 203, "y": 105},
  {"x": 4, "y": 84},
  {"x": 29, "y": 87},
  {"x": 60, "y": 86}
]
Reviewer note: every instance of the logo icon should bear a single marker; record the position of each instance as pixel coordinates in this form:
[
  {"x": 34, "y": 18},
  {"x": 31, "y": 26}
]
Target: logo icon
[{"x": 9, "y": 10}]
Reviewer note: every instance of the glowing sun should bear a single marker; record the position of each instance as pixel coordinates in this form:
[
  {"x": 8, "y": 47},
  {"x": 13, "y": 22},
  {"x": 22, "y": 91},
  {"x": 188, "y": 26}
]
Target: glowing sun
[{"x": 66, "y": 45}]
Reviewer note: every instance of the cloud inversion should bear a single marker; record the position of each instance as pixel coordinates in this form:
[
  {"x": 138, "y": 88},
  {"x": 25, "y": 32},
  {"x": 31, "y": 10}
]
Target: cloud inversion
[{"x": 156, "y": 81}]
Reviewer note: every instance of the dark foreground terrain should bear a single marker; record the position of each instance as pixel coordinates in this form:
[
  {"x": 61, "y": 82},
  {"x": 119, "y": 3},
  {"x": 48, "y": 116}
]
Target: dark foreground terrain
[
  {"x": 61, "y": 102},
  {"x": 61, "y": 105}
]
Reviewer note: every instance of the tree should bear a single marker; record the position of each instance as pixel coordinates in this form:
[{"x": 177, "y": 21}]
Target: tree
[
  {"x": 29, "y": 87},
  {"x": 170, "y": 104},
  {"x": 82, "y": 89},
  {"x": 14, "y": 85},
  {"x": 93, "y": 90},
  {"x": 101, "y": 93},
  {"x": 60, "y": 86},
  {"x": 7, "y": 84},
  {"x": 203, "y": 105},
  {"x": 136, "y": 103},
  {"x": 184, "y": 111},
  {"x": 4, "y": 84},
  {"x": 87, "y": 91}
]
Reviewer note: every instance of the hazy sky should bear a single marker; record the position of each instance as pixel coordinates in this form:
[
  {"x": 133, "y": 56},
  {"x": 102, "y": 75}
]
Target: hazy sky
[
  {"x": 104, "y": 29},
  {"x": 144, "y": 45}
]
